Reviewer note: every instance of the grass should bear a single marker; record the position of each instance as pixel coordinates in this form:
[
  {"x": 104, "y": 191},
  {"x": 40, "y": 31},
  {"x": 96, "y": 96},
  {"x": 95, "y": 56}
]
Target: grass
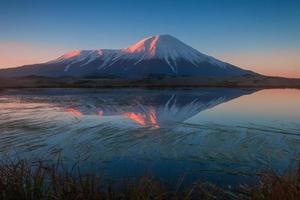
[
  {"x": 272, "y": 186},
  {"x": 24, "y": 180}
]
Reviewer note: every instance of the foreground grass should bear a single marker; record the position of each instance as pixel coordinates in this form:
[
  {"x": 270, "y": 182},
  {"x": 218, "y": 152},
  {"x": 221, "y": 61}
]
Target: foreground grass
[{"x": 24, "y": 180}]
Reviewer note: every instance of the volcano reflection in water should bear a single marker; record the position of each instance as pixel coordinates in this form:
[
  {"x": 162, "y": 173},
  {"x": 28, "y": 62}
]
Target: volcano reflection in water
[
  {"x": 123, "y": 132},
  {"x": 150, "y": 108}
]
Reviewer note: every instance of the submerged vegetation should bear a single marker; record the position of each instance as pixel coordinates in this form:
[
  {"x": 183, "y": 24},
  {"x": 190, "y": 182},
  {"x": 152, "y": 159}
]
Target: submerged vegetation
[{"x": 37, "y": 180}]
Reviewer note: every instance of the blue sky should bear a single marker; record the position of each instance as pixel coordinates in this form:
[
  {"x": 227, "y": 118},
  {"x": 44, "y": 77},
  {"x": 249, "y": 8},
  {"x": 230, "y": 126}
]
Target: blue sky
[{"x": 235, "y": 30}]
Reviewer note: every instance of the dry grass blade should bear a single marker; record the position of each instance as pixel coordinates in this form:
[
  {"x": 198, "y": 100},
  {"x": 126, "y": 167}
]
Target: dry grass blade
[{"x": 22, "y": 179}]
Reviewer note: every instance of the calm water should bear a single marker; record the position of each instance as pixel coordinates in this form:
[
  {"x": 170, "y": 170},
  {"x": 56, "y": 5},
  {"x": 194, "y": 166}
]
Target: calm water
[{"x": 220, "y": 135}]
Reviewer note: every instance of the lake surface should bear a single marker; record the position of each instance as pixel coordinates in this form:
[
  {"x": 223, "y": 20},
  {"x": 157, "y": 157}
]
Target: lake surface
[{"x": 215, "y": 134}]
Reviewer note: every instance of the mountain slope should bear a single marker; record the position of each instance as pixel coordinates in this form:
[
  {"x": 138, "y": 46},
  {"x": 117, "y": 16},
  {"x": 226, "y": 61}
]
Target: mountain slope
[{"x": 160, "y": 55}]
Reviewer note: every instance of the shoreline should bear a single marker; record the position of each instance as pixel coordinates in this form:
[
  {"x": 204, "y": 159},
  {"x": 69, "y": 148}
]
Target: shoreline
[{"x": 258, "y": 82}]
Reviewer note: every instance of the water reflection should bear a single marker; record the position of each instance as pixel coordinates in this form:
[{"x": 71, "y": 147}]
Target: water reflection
[
  {"x": 152, "y": 108},
  {"x": 207, "y": 133}
]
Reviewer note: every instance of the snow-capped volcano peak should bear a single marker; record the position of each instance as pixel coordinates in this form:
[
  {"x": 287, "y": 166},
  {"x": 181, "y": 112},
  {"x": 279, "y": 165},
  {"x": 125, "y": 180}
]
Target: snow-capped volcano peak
[
  {"x": 163, "y": 46},
  {"x": 152, "y": 44},
  {"x": 168, "y": 48},
  {"x": 155, "y": 56}
]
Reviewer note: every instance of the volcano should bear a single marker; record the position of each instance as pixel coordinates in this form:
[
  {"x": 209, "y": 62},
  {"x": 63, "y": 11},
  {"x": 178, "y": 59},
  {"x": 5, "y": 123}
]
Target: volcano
[{"x": 155, "y": 56}]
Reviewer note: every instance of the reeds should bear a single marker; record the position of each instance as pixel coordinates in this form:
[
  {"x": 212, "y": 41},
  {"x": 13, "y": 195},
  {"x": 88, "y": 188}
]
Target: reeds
[
  {"x": 275, "y": 187},
  {"x": 26, "y": 180}
]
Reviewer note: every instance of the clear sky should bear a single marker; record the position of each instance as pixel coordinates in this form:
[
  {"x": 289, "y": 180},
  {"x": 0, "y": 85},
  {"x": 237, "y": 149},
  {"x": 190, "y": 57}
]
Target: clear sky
[{"x": 260, "y": 35}]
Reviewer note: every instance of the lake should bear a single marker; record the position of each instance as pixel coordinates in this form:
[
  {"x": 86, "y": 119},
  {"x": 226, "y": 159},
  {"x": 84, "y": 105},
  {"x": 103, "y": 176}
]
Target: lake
[{"x": 222, "y": 135}]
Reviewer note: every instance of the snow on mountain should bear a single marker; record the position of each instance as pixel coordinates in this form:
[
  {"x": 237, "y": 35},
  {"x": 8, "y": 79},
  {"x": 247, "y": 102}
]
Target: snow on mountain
[
  {"x": 164, "y": 47},
  {"x": 168, "y": 48},
  {"x": 160, "y": 55},
  {"x": 87, "y": 56}
]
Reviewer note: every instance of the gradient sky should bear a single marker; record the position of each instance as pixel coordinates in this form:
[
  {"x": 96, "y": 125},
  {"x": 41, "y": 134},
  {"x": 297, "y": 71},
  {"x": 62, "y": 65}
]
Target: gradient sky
[{"x": 259, "y": 35}]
